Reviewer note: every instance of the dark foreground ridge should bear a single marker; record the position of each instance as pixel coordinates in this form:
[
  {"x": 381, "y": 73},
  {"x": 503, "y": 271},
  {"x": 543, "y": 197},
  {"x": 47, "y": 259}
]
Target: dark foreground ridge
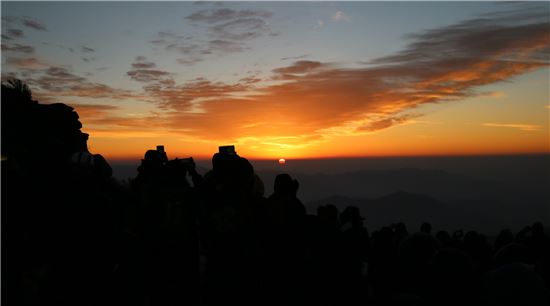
[{"x": 73, "y": 235}]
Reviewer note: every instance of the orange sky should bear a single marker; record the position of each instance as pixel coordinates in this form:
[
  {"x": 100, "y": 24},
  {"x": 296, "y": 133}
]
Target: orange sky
[{"x": 282, "y": 80}]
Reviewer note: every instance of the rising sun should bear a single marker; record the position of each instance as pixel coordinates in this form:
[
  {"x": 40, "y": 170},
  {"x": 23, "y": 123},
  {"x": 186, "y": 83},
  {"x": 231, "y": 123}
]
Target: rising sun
[{"x": 282, "y": 161}]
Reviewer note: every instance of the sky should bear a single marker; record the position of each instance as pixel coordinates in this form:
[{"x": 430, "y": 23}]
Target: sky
[{"x": 290, "y": 79}]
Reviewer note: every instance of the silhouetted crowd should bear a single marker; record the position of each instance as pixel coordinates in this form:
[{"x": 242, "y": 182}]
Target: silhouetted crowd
[{"x": 73, "y": 235}]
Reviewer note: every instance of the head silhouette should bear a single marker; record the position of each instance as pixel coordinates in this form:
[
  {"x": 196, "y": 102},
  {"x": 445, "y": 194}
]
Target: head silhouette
[
  {"x": 426, "y": 228},
  {"x": 351, "y": 214},
  {"x": 284, "y": 184}
]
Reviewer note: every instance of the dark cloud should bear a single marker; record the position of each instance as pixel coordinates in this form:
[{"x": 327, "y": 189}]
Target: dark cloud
[
  {"x": 250, "y": 80},
  {"x": 62, "y": 74},
  {"x": 147, "y": 75},
  {"x": 168, "y": 37},
  {"x": 225, "y": 46},
  {"x": 14, "y": 33},
  {"x": 241, "y": 29},
  {"x": 33, "y": 23},
  {"x": 225, "y": 14},
  {"x": 299, "y": 67},
  {"x": 142, "y": 72},
  {"x": 168, "y": 95},
  {"x": 478, "y": 38},
  {"x": 142, "y": 63},
  {"x": 50, "y": 83},
  {"x": 26, "y": 63},
  {"x": 194, "y": 52},
  {"x": 188, "y": 61},
  {"x": 17, "y": 48},
  {"x": 185, "y": 48},
  {"x": 294, "y": 57},
  {"x": 172, "y": 35},
  {"x": 88, "y": 59},
  {"x": 228, "y": 30},
  {"x": 9, "y": 19},
  {"x": 86, "y": 49}
]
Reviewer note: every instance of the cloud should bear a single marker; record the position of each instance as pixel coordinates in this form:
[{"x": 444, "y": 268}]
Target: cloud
[
  {"x": 250, "y": 80},
  {"x": 50, "y": 83},
  {"x": 298, "y": 67},
  {"x": 522, "y": 127},
  {"x": 320, "y": 24},
  {"x": 33, "y": 23},
  {"x": 93, "y": 110},
  {"x": 241, "y": 29},
  {"x": 28, "y": 22},
  {"x": 294, "y": 57},
  {"x": 142, "y": 63},
  {"x": 194, "y": 52},
  {"x": 225, "y": 14},
  {"x": 147, "y": 75},
  {"x": 229, "y": 31},
  {"x": 142, "y": 72},
  {"x": 502, "y": 37},
  {"x": 13, "y": 33},
  {"x": 492, "y": 94},
  {"x": 310, "y": 98},
  {"x": 26, "y": 63},
  {"x": 385, "y": 123},
  {"x": 168, "y": 95},
  {"x": 340, "y": 16},
  {"x": 61, "y": 73},
  {"x": 17, "y": 48},
  {"x": 86, "y": 49},
  {"x": 9, "y": 19},
  {"x": 106, "y": 120},
  {"x": 225, "y": 46},
  {"x": 188, "y": 61}
]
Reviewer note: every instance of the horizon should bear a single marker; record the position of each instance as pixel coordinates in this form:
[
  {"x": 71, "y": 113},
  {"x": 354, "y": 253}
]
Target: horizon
[
  {"x": 526, "y": 168},
  {"x": 122, "y": 160},
  {"x": 293, "y": 80}
]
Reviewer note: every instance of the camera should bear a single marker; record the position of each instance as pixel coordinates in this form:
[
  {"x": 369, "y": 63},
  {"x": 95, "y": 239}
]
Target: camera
[{"x": 229, "y": 150}]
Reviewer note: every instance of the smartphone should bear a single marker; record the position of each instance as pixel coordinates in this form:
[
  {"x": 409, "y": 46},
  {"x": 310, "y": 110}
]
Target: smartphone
[
  {"x": 227, "y": 150},
  {"x": 160, "y": 149}
]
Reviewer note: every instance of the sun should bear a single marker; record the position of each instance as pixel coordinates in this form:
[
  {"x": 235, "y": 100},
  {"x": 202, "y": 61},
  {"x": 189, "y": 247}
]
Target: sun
[{"x": 282, "y": 161}]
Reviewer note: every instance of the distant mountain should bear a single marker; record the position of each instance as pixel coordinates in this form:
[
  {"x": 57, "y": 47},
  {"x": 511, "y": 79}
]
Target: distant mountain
[
  {"x": 376, "y": 183},
  {"x": 444, "y": 186},
  {"x": 416, "y": 195},
  {"x": 410, "y": 208},
  {"x": 509, "y": 197}
]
